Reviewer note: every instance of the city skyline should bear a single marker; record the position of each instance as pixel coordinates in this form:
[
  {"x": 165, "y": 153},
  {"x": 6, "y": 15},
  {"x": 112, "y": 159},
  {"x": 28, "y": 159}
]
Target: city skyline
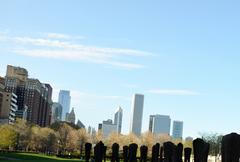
[{"x": 183, "y": 56}]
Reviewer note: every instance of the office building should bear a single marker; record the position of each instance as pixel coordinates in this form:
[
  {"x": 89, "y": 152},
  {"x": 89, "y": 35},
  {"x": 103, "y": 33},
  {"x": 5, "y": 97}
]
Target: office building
[
  {"x": 64, "y": 99},
  {"x": 118, "y": 119},
  {"x": 80, "y": 124},
  {"x": 91, "y": 131},
  {"x": 177, "y": 132},
  {"x": 8, "y": 105},
  {"x": 33, "y": 97},
  {"x": 160, "y": 124},
  {"x": 189, "y": 139},
  {"x": 56, "y": 112},
  {"x": 99, "y": 126},
  {"x": 136, "y": 114},
  {"x": 71, "y": 117},
  {"x": 108, "y": 127}
]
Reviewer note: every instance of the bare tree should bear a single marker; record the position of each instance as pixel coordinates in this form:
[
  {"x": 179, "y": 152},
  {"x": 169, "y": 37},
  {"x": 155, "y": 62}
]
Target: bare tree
[{"x": 83, "y": 137}]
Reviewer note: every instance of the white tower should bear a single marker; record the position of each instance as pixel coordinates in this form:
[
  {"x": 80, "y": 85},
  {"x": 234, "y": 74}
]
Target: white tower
[
  {"x": 118, "y": 119},
  {"x": 136, "y": 114}
]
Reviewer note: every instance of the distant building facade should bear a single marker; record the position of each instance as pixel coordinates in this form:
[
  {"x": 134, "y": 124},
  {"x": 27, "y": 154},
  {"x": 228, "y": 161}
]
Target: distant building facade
[
  {"x": 71, "y": 117},
  {"x": 160, "y": 124},
  {"x": 56, "y": 112},
  {"x": 99, "y": 126},
  {"x": 80, "y": 124},
  {"x": 8, "y": 105},
  {"x": 136, "y": 114},
  {"x": 190, "y": 139},
  {"x": 64, "y": 99},
  {"x": 108, "y": 127},
  {"x": 118, "y": 119},
  {"x": 177, "y": 132},
  {"x": 33, "y": 97},
  {"x": 91, "y": 131}
]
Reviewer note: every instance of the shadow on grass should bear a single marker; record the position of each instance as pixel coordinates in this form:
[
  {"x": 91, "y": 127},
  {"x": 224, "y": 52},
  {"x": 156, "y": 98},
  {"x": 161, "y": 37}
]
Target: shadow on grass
[{"x": 32, "y": 157}]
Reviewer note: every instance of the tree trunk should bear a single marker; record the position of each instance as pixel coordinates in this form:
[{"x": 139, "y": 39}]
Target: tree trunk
[{"x": 81, "y": 150}]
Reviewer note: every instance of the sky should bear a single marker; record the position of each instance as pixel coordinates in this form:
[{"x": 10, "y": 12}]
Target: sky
[{"x": 182, "y": 55}]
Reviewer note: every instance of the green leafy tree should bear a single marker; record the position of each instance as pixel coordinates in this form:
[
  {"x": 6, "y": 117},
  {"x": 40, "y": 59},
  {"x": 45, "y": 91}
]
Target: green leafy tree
[
  {"x": 48, "y": 139},
  {"x": 8, "y": 137}
]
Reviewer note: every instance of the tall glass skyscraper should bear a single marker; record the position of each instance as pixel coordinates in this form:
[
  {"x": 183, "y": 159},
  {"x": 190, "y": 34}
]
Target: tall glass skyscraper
[
  {"x": 177, "y": 131},
  {"x": 118, "y": 119},
  {"x": 64, "y": 99},
  {"x": 136, "y": 114}
]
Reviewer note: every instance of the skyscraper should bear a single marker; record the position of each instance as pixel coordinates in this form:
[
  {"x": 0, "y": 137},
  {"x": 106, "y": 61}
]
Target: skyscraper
[
  {"x": 118, "y": 119},
  {"x": 136, "y": 114},
  {"x": 8, "y": 105},
  {"x": 177, "y": 131},
  {"x": 32, "y": 95},
  {"x": 70, "y": 117},
  {"x": 80, "y": 124},
  {"x": 64, "y": 99},
  {"x": 160, "y": 124},
  {"x": 56, "y": 112},
  {"x": 108, "y": 127}
]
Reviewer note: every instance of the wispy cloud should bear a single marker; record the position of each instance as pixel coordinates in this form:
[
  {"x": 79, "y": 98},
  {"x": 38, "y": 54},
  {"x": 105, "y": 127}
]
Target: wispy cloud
[
  {"x": 182, "y": 92},
  {"x": 62, "y": 36},
  {"x": 60, "y": 46}
]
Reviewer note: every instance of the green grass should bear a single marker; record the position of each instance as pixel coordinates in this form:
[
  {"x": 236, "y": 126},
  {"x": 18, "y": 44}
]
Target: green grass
[{"x": 32, "y": 157}]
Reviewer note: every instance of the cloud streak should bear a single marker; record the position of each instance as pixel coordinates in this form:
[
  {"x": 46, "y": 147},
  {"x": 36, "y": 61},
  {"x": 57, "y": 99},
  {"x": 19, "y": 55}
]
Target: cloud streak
[
  {"x": 174, "y": 92},
  {"x": 62, "y": 36},
  {"x": 61, "y": 46}
]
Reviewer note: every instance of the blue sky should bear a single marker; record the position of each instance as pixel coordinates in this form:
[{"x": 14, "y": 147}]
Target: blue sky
[{"x": 182, "y": 55}]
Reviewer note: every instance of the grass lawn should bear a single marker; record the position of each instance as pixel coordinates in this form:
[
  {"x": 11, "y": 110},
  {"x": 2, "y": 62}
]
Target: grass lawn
[{"x": 31, "y": 157}]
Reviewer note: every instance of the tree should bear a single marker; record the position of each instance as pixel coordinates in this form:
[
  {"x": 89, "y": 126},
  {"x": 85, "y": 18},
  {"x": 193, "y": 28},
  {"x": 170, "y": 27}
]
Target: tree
[
  {"x": 34, "y": 140},
  {"x": 98, "y": 137},
  {"x": 177, "y": 140},
  {"x": 112, "y": 138},
  {"x": 214, "y": 140},
  {"x": 52, "y": 142},
  {"x": 188, "y": 143},
  {"x": 48, "y": 140},
  {"x": 147, "y": 139},
  {"x": 82, "y": 138},
  {"x": 23, "y": 133},
  {"x": 8, "y": 137},
  {"x": 67, "y": 138},
  {"x": 132, "y": 138},
  {"x": 161, "y": 138}
]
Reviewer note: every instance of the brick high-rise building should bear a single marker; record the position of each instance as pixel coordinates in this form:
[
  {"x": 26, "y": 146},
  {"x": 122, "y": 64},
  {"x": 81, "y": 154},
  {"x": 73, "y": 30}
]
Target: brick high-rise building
[
  {"x": 8, "y": 104},
  {"x": 31, "y": 94}
]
